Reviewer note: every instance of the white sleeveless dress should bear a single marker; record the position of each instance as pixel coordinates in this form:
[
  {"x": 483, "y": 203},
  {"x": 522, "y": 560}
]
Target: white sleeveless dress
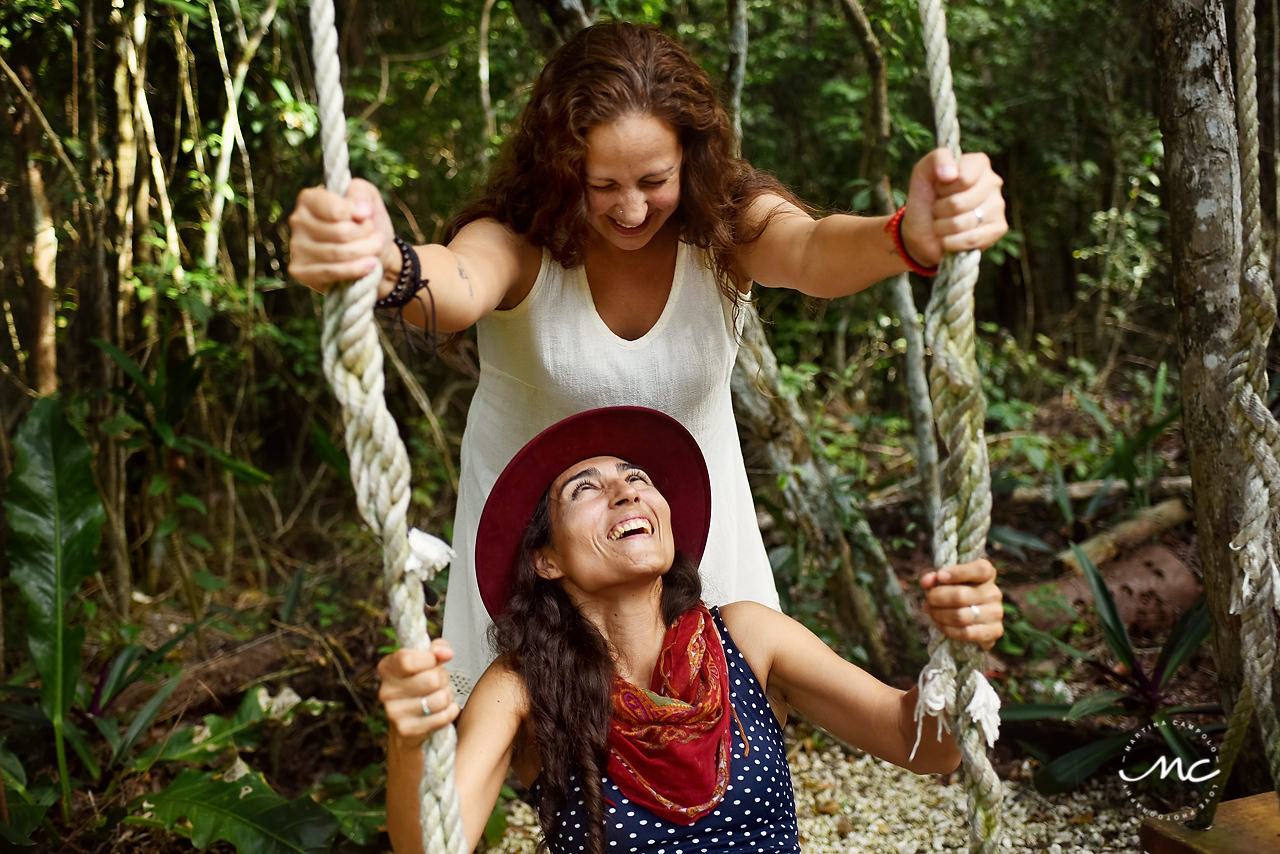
[{"x": 552, "y": 356}]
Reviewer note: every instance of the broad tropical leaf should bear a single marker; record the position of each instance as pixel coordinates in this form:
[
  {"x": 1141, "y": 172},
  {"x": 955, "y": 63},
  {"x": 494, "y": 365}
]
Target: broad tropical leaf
[
  {"x": 206, "y": 741},
  {"x": 55, "y": 523},
  {"x": 243, "y": 811},
  {"x": 359, "y": 821},
  {"x": 55, "y": 520}
]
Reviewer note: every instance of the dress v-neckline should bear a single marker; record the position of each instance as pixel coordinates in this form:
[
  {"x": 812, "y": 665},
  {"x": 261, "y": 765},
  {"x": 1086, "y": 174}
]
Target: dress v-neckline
[{"x": 677, "y": 280}]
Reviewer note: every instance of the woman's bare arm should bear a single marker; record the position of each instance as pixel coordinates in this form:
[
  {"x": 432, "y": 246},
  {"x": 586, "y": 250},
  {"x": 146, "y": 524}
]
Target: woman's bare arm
[
  {"x": 487, "y": 731},
  {"x": 336, "y": 238}
]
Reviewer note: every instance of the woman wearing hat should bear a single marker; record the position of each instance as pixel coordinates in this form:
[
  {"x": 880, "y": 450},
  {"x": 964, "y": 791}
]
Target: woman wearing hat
[{"x": 642, "y": 720}]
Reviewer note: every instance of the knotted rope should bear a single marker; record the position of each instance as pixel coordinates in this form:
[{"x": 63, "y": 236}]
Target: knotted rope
[
  {"x": 952, "y": 686},
  {"x": 379, "y": 462},
  {"x": 1257, "y": 581}
]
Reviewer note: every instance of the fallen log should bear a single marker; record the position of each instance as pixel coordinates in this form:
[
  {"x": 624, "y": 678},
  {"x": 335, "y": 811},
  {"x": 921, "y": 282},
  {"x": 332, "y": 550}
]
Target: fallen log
[
  {"x": 1149, "y": 522},
  {"x": 1159, "y": 487}
]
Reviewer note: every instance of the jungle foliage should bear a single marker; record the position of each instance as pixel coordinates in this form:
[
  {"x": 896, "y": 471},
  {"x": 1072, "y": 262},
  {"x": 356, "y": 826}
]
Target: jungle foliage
[{"x": 176, "y": 493}]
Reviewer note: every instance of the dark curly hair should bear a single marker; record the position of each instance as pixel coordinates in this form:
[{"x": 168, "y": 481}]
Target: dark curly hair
[
  {"x": 568, "y": 673},
  {"x": 605, "y": 72}
]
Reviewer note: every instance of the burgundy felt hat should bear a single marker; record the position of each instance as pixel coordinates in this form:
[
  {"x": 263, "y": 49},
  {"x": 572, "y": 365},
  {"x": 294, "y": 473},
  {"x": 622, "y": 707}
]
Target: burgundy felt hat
[{"x": 652, "y": 440}]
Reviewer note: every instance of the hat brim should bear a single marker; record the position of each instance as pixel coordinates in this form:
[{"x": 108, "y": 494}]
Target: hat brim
[{"x": 652, "y": 440}]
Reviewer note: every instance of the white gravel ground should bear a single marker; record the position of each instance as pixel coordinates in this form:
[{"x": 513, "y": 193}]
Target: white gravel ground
[{"x": 855, "y": 803}]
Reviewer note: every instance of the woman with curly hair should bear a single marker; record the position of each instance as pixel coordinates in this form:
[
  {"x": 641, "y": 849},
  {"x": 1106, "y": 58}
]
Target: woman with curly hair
[
  {"x": 606, "y": 261},
  {"x": 642, "y": 720}
]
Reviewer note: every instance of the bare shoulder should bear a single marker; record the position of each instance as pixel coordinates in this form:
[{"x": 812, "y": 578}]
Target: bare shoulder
[
  {"x": 770, "y": 206},
  {"x": 501, "y": 689},
  {"x": 781, "y": 230},
  {"x": 756, "y": 630}
]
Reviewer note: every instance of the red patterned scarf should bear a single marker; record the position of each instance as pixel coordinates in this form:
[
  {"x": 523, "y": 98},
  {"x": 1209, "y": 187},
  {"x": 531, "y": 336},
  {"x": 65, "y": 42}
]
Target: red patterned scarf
[{"x": 669, "y": 746}]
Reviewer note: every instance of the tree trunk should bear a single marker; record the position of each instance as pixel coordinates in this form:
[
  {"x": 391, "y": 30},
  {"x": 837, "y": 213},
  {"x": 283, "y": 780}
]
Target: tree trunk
[
  {"x": 486, "y": 99},
  {"x": 1202, "y": 176},
  {"x": 804, "y": 481},
  {"x": 879, "y": 128},
  {"x": 736, "y": 70},
  {"x": 44, "y": 247},
  {"x": 549, "y": 23}
]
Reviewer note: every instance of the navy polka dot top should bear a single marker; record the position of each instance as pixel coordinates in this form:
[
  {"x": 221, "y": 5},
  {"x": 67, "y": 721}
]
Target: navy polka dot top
[{"x": 757, "y": 814}]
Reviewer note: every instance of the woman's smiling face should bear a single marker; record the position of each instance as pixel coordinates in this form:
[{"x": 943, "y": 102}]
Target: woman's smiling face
[
  {"x": 632, "y": 178},
  {"x": 609, "y": 525}
]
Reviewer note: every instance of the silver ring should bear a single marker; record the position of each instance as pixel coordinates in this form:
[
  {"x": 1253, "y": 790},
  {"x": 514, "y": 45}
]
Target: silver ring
[
  {"x": 977, "y": 212},
  {"x": 426, "y": 709},
  {"x": 973, "y": 609}
]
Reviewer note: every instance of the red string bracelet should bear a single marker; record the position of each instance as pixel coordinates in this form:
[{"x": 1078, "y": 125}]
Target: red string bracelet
[{"x": 894, "y": 229}]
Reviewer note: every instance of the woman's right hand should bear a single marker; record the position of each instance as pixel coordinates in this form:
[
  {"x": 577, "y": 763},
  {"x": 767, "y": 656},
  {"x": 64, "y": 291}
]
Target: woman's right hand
[
  {"x": 414, "y": 680},
  {"x": 335, "y": 238}
]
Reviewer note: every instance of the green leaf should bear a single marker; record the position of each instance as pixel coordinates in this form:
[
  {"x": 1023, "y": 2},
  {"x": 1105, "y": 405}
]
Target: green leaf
[
  {"x": 1060, "y": 495},
  {"x": 1177, "y": 741},
  {"x": 189, "y": 501},
  {"x": 1100, "y": 702},
  {"x": 27, "y": 810},
  {"x": 496, "y": 827},
  {"x": 210, "y": 582},
  {"x": 357, "y": 821},
  {"x": 109, "y": 729},
  {"x": 12, "y": 774},
  {"x": 80, "y": 744},
  {"x": 292, "y": 596},
  {"x": 145, "y": 717},
  {"x": 1114, "y": 630},
  {"x": 1034, "y": 711},
  {"x": 335, "y": 457},
  {"x": 166, "y": 434},
  {"x": 240, "y": 469},
  {"x": 55, "y": 523},
  {"x": 167, "y": 526},
  {"x": 131, "y": 369},
  {"x": 1157, "y": 394},
  {"x": 1184, "y": 639},
  {"x": 121, "y": 424},
  {"x": 130, "y": 664},
  {"x": 244, "y": 812},
  {"x": 1015, "y": 540},
  {"x": 1070, "y": 770},
  {"x": 202, "y": 743},
  {"x": 1098, "y": 415},
  {"x": 1100, "y": 497}
]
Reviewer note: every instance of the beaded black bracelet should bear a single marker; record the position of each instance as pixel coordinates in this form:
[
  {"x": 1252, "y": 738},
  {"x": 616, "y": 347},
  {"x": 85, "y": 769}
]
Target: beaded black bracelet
[{"x": 410, "y": 280}]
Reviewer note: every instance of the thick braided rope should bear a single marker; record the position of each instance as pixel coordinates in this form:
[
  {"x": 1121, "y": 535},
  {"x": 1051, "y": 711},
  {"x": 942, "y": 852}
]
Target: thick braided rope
[
  {"x": 1256, "y": 582},
  {"x": 379, "y": 462},
  {"x": 1241, "y": 715},
  {"x": 952, "y": 682}
]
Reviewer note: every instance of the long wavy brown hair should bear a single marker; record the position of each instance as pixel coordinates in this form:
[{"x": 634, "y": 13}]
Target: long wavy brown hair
[
  {"x": 568, "y": 673},
  {"x": 605, "y": 72}
]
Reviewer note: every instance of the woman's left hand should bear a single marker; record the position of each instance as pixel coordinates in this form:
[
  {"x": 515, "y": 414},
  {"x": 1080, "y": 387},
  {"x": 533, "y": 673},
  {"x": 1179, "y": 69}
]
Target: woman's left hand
[
  {"x": 952, "y": 206},
  {"x": 965, "y": 603}
]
